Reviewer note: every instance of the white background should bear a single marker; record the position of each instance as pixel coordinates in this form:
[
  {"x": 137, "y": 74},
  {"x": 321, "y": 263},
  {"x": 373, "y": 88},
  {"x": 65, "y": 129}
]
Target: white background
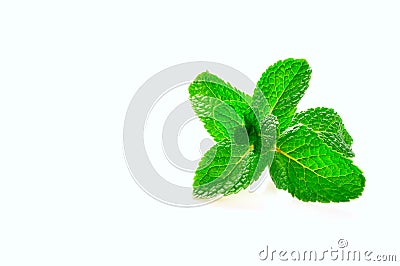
[{"x": 68, "y": 70}]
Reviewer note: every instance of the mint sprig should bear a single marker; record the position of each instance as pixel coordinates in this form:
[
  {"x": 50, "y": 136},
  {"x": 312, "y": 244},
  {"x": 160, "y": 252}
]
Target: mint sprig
[{"x": 308, "y": 153}]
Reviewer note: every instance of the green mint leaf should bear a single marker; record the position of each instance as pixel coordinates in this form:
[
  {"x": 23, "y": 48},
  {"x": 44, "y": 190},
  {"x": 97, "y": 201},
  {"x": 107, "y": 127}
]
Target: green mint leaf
[
  {"x": 284, "y": 84},
  {"x": 221, "y": 169},
  {"x": 329, "y": 127},
  {"x": 220, "y": 119},
  {"x": 221, "y": 107},
  {"x": 310, "y": 170}
]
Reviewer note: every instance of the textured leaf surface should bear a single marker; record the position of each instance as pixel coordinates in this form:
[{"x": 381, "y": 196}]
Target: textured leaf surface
[
  {"x": 312, "y": 171},
  {"x": 221, "y": 168},
  {"x": 329, "y": 127},
  {"x": 261, "y": 158},
  {"x": 220, "y": 106},
  {"x": 260, "y": 104},
  {"x": 229, "y": 167},
  {"x": 220, "y": 119},
  {"x": 284, "y": 84}
]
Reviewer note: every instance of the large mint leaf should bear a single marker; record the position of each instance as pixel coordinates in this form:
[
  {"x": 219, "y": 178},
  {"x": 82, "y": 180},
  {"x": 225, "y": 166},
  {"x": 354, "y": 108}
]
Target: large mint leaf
[
  {"x": 284, "y": 84},
  {"x": 329, "y": 127},
  {"x": 312, "y": 171},
  {"x": 221, "y": 107}
]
